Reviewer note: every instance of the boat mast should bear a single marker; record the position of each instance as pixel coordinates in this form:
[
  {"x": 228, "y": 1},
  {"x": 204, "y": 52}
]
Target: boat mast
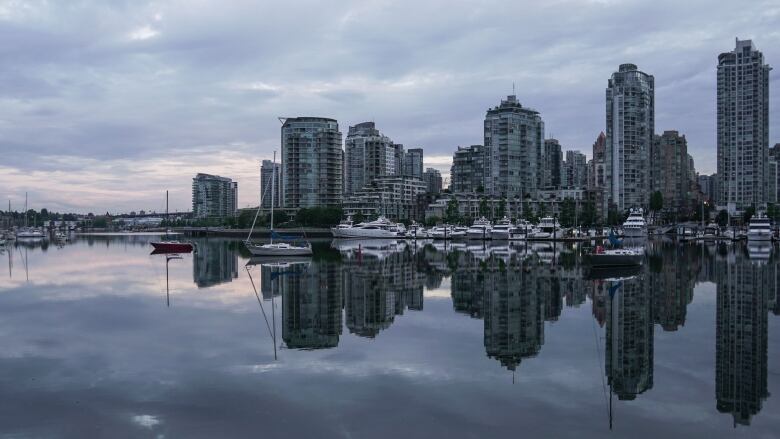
[
  {"x": 25, "y": 210},
  {"x": 273, "y": 192}
]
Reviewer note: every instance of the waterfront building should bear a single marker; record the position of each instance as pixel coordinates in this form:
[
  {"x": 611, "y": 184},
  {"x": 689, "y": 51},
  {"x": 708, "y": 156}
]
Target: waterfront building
[
  {"x": 214, "y": 196},
  {"x": 368, "y": 154},
  {"x": 743, "y": 126},
  {"x": 630, "y": 97},
  {"x": 553, "y": 158},
  {"x": 312, "y": 163},
  {"x": 514, "y": 139},
  {"x": 433, "y": 181},
  {"x": 413, "y": 163},
  {"x": 743, "y": 288},
  {"x": 574, "y": 171},
  {"x": 394, "y": 196},
  {"x": 597, "y": 169},
  {"x": 470, "y": 204},
  {"x": 470, "y": 167},
  {"x": 670, "y": 172},
  {"x": 270, "y": 170}
]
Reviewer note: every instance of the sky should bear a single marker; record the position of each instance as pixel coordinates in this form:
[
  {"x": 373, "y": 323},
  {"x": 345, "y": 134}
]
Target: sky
[{"x": 105, "y": 105}]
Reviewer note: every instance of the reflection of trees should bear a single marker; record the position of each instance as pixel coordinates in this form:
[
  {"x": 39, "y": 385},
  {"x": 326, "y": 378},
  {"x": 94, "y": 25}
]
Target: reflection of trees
[{"x": 741, "y": 342}]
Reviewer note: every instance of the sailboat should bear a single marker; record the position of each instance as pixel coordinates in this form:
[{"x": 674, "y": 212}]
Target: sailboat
[
  {"x": 28, "y": 232},
  {"x": 169, "y": 245},
  {"x": 294, "y": 248}
]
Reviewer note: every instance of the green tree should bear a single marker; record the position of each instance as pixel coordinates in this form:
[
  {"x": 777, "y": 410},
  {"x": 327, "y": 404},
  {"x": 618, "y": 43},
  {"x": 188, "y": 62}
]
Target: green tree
[
  {"x": 452, "y": 214},
  {"x": 656, "y": 201},
  {"x": 358, "y": 218},
  {"x": 568, "y": 212},
  {"x": 749, "y": 212},
  {"x": 723, "y": 218},
  {"x": 528, "y": 212},
  {"x": 501, "y": 209},
  {"x": 484, "y": 208},
  {"x": 588, "y": 214}
]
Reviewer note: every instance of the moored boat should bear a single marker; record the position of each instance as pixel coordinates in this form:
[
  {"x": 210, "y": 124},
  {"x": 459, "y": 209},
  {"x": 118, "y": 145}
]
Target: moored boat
[
  {"x": 480, "y": 229},
  {"x": 760, "y": 228},
  {"x": 635, "y": 225},
  {"x": 502, "y": 228},
  {"x": 616, "y": 257}
]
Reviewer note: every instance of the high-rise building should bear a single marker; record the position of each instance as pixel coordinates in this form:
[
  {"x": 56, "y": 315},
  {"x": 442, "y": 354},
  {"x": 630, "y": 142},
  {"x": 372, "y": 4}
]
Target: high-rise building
[
  {"x": 312, "y": 162},
  {"x": 214, "y": 196},
  {"x": 630, "y": 128},
  {"x": 433, "y": 181},
  {"x": 708, "y": 187},
  {"x": 514, "y": 139},
  {"x": 743, "y": 126},
  {"x": 268, "y": 171},
  {"x": 553, "y": 158},
  {"x": 368, "y": 154},
  {"x": 575, "y": 171},
  {"x": 413, "y": 163},
  {"x": 469, "y": 169},
  {"x": 669, "y": 170}
]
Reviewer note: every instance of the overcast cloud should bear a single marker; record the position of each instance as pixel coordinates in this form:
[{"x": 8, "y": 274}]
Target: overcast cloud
[{"x": 105, "y": 105}]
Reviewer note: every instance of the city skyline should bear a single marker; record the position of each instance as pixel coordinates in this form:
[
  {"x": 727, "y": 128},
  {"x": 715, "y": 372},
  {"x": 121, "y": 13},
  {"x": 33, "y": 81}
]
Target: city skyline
[{"x": 109, "y": 123}]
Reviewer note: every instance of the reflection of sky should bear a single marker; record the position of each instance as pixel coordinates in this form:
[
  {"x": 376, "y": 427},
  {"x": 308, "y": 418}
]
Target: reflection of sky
[{"x": 90, "y": 349}]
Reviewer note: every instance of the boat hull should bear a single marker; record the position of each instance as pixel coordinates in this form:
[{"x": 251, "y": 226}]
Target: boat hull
[
  {"x": 634, "y": 233},
  {"x": 363, "y": 233},
  {"x": 759, "y": 236},
  {"x": 271, "y": 250},
  {"x": 607, "y": 260},
  {"x": 172, "y": 247}
]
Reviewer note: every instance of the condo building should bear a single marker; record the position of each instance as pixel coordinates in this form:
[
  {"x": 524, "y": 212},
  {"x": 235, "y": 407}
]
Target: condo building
[
  {"x": 743, "y": 126},
  {"x": 270, "y": 187},
  {"x": 214, "y": 196},
  {"x": 312, "y": 163},
  {"x": 367, "y": 155},
  {"x": 630, "y": 98}
]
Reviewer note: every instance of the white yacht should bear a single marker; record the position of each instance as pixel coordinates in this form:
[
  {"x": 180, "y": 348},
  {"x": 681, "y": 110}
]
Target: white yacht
[
  {"x": 459, "y": 232},
  {"x": 481, "y": 229},
  {"x": 379, "y": 228},
  {"x": 442, "y": 232},
  {"x": 521, "y": 231},
  {"x": 635, "y": 225},
  {"x": 711, "y": 232},
  {"x": 416, "y": 231},
  {"x": 760, "y": 228},
  {"x": 502, "y": 229},
  {"x": 29, "y": 232},
  {"x": 548, "y": 228}
]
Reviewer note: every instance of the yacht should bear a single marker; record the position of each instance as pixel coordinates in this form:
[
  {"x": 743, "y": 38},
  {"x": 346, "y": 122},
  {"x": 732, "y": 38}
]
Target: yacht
[
  {"x": 416, "y": 231},
  {"x": 379, "y": 228},
  {"x": 481, "y": 229},
  {"x": 635, "y": 225},
  {"x": 502, "y": 229},
  {"x": 441, "y": 232},
  {"x": 521, "y": 231},
  {"x": 459, "y": 232},
  {"x": 711, "y": 232},
  {"x": 296, "y": 246},
  {"x": 616, "y": 257},
  {"x": 29, "y": 232},
  {"x": 548, "y": 228},
  {"x": 760, "y": 228}
]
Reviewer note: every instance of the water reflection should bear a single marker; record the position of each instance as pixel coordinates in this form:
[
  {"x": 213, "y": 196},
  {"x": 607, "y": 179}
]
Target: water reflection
[{"x": 518, "y": 299}]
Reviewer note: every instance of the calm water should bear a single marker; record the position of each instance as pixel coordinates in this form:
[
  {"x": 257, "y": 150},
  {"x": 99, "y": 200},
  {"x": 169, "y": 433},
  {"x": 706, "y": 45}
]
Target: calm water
[{"x": 387, "y": 340}]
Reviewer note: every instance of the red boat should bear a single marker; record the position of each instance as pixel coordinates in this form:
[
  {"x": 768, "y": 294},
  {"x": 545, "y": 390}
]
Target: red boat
[{"x": 172, "y": 247}]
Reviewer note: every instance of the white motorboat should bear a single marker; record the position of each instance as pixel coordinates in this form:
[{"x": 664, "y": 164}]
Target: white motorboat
[
  {"x": 379, "y": 228},
  {"x": 760, "y": 228},
  {"x": 441, "y": 232},
  {"x": 548, "y": 228},
  {"x": 501, "y": 229},
  {"x": 294, "y": 248},
  {"x": 416, "y": 231},
  {"x": 521, "y": 231},
  {"x": 29, "y": 232},
  {"x": 635, "y": 225},
  {"x": 459, "y": 232},
  {"x": 711, "y": 232},
  {"x": 616, "y": 257},
  {"x": 481, "y": 229}
]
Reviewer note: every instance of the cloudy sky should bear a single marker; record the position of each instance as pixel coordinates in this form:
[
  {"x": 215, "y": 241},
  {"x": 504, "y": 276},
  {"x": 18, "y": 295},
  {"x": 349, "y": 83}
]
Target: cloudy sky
[{"x": 104, "y": 105}]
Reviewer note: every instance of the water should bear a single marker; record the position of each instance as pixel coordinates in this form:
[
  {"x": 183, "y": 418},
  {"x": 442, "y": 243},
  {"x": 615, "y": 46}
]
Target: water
[{"x": 387, "y": 340}]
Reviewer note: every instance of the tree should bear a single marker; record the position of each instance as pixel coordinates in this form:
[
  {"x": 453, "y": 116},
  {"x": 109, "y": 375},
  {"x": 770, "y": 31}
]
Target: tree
[
  {"x": 588, "y": 215},
  {"x": 484, "y": 209},
  {"x": 723, "y": 218},
  {"x": 452, "y": 214},
  {"x": 358, "y": 218},
  {"x": 568, "y": 212},
  {"x": 501, "y": 210},
  {"x": 657, "y": 201},
  {"x": 749, "y": 212},
  {"x": 528, "y": 212}
]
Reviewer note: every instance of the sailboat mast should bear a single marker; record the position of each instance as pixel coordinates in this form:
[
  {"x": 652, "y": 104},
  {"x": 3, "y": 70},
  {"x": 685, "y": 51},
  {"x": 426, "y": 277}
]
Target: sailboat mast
[
  {"x": 273, "y": 192},
  {"x": 25, "y": 210}
]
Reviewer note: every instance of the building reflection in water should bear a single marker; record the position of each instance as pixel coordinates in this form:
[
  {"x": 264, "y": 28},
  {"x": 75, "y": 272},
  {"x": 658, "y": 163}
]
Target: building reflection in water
[
  {"x": 311, "y": 303},
  {"x": 744, "y": 289},
  {"x": 214, "y": 262},
  {"x": 381, "y": 280},
  {"x": 516, "y": 291}
]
